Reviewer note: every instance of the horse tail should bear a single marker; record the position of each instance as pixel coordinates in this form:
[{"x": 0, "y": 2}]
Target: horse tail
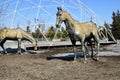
[{"x": 97, "y": 32}]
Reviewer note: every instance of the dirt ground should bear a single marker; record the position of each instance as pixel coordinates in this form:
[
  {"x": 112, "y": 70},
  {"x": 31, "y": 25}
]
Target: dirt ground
[{"x": 39, "y": 67}]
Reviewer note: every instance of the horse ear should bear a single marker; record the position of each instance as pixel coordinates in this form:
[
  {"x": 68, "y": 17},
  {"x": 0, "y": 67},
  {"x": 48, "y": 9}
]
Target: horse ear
[{"x": 59, "y": 8}]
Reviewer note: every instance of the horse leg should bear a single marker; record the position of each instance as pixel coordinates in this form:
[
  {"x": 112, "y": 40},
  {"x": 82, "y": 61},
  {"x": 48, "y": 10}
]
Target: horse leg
[
  {"x": 92, "y": 54},
  {"x": 3, "y": 49},
  {"x": 2, "y": 45},
  {"x": 83, "y": 49},
  {"x": 97, "y": 51},
  {"x": 86, "y": 49},
  {"x": 19, "y": 46},
  {"x": 74, "y": 49},
  {"x": 97, "y": 54}
]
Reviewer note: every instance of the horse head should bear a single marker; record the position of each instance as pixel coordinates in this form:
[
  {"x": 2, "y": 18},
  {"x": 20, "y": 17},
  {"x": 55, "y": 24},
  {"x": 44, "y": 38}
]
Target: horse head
[{"x": 60, "y": 17}]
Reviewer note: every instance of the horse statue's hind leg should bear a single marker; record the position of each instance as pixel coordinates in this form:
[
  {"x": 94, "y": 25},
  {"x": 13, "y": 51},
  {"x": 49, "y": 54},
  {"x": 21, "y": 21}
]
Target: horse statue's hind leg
[
  {"x": 97, "y": 44},
  {"x": 2, "y": 45},
  {"x": 95, "y": 54},
  {"x": 86, "y": 49}
]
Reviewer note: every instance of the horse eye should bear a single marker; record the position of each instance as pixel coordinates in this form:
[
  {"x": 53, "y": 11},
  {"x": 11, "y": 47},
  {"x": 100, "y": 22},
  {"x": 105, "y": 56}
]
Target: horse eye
[{"x": 60, "y": 14}]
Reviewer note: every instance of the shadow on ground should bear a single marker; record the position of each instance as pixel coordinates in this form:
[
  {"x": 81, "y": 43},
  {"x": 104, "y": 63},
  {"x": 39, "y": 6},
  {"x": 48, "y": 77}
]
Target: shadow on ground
[
  {"x": 66, "y": 56},
  {"x": 12, "y": 50}
]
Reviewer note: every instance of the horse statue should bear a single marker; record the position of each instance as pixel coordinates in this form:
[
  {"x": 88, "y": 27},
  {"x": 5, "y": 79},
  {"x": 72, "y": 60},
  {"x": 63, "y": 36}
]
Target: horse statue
[
  {"x": 15, "y": 34},
  {"x": 83, "y": 32}
]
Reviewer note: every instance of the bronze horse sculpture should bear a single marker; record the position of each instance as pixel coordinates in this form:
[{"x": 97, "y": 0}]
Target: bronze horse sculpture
[
  {"x": 82, "y": 32},
  {"x": 15, "y": 34}
]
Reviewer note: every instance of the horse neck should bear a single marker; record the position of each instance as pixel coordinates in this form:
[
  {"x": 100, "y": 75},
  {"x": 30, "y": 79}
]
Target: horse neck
[
  {"x": 30, "y": 38},
  {"x": 69, "y": 22}
]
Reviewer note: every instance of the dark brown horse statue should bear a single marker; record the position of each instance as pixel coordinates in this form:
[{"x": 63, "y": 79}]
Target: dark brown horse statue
[{"x": 83, "y": 32}]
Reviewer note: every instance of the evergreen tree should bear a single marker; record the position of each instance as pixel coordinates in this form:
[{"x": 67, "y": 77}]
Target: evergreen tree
[
  {"x": 37, "y": 34},
  {"x": 64, "y": 32},
  {"x": 59, "y": 34},
  {"x": 50, "y": 33},
  {"x": 116, "y": 24}
]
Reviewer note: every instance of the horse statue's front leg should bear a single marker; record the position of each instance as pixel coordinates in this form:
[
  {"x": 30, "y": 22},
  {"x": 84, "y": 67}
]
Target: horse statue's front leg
[
  {"x": 95, "y": 54},
  {"x": 83, "y": 49},
  {"x": 19, "y": 46},
  {"x": 98, "y": 45},
  {"x": 74, "y": 49}
]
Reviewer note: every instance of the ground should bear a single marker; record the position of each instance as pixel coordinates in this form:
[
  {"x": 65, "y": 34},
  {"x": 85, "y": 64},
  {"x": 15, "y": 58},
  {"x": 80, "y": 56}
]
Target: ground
[
  {"x": 45, "y": 66},
  {"x": 39, "y": 67}
]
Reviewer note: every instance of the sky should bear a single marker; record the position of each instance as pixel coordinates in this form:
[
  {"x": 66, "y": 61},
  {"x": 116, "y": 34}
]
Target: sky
[
  {"x": 45, "y": 10},
  {"x": 103, "y": 8}
]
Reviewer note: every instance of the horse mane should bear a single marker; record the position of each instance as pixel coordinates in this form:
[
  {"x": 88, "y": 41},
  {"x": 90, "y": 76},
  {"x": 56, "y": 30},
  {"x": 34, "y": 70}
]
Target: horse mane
[
  {"x": 71, "y": 17},
  {"x": 78, "y": 21}
]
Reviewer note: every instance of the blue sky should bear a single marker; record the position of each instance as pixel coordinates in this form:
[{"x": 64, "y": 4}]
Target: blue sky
[
  {"x": 27, "y": 11},
  {"x": 103, "y": 8}
]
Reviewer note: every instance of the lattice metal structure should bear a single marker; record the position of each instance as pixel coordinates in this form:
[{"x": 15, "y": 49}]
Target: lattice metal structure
[
  {"x": 14, "y": 13},
  {"x": 106, "y": 33},
  {"x": 4, "y": 4}
]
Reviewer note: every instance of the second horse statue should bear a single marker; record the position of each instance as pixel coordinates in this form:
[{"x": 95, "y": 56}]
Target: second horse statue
[{"x": 15, "y": 34}]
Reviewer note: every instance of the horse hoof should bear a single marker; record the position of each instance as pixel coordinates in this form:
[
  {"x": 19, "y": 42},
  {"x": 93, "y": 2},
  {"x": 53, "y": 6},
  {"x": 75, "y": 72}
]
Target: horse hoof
[
  {"x": 6, "y": 53},
  {"x": 74, "y": 61},
  {"x": 85, "y": 62},
  {"x": 97, "y": 59},
  {"x": 20, "y": 53}
]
